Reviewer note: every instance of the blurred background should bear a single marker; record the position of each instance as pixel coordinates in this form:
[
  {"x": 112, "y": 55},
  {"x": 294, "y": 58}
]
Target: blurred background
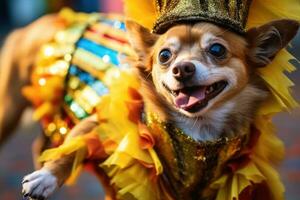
[
  {"x": 17, "y": 13},
  {"x": 15, "y": 156}
]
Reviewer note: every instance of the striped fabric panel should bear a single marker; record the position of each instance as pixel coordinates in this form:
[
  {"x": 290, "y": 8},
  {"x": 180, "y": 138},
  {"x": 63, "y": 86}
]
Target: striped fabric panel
[
  {"x": 104, "y": 39},
  {"x": 96, "y": 51},
  {"x": 74, "y": 110},
  {"x": 116, "y": 24},
  {"x": 87, "y": 79},
  {"x": 90, "y": 63},
  {"x": 106, "y": 54},
  {"x": 103, "y": 28},
  {"x": 85, "y": 90}
]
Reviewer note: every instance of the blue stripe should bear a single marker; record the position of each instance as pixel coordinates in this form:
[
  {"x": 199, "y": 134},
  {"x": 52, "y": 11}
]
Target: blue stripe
[
  {"x": 99, "y": 87},
  {"x": 88, "y": 79},
  {"x": 99, "y": 50}
]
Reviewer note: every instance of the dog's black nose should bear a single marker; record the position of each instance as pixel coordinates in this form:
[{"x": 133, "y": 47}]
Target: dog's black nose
[{"x": 183, "y": 71}]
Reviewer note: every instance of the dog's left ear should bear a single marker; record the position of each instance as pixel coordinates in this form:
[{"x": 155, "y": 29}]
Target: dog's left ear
[
  {"x": 141, "y": 39},
  {"x": 267, "y": 40}
]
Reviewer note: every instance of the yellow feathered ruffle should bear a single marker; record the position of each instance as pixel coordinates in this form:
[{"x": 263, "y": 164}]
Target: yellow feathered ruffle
[
  {"x": 269, "y": 150},
  {"x": 133, "y": 164},
  {"x": 78, "y": 146}
]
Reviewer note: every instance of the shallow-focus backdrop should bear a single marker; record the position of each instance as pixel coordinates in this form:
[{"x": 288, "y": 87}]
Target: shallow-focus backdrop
[{"x": 15, "y": 156}]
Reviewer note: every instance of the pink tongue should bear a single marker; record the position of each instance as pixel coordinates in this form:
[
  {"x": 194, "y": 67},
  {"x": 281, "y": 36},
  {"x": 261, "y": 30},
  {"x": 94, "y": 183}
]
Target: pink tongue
[{"x": 186, "y": 100}]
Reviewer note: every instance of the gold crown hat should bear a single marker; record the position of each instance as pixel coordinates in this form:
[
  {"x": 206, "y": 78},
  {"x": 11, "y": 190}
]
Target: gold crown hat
[
  {"x": 230, "y": 14},
  {"x": 159, "y": 15}
]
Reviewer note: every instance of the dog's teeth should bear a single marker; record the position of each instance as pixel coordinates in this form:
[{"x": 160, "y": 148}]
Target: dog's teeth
[
  {"x": 206, "y": 91},
  {"x": 209, "y": 89},
  {"x": 174, "y": 93}
]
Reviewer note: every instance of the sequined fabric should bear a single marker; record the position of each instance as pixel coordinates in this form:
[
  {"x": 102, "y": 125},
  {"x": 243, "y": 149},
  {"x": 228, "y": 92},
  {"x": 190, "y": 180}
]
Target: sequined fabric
[
  {"x": 97, "y": 52},
  {"x": 189, "y": 165},
  {"x": 231, "y": 14}
]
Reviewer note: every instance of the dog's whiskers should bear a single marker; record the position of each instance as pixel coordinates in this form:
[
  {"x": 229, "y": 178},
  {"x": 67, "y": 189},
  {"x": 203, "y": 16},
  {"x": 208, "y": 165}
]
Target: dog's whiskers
[
  {"x": 195, "y": 121},
  {"x": 149, "y": 74}
]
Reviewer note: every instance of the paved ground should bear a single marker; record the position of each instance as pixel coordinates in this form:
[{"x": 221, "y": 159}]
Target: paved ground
[{"x": 15, "y": 158}]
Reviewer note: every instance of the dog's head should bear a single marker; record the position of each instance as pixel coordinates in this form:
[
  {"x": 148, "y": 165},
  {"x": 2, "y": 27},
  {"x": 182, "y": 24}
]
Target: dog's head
[{"x": 198, "y": 68}]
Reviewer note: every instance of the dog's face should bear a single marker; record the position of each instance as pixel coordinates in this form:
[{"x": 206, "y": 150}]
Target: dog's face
[
  {"x": 200, "y": 68},
  {"x": 197, "y": 68}
]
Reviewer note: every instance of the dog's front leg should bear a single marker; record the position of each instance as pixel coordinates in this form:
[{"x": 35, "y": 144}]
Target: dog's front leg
[{"x": 42, "y": 183}]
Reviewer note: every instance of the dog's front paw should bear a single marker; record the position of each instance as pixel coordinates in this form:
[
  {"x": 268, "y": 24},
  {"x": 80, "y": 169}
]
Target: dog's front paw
[{"x": 39, "y": 185}]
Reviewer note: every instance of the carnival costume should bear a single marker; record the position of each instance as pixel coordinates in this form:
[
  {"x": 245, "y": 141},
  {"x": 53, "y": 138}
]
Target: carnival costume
[{"x": 81, "y": 73}]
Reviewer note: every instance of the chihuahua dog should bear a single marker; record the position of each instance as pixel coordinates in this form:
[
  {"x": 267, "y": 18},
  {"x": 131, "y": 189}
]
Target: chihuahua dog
[{"x": 201, "y": 77}]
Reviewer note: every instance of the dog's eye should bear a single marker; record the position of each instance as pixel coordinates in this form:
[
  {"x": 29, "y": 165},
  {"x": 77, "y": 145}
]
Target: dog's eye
[
  {"x": 164, "y": 56},
  {"x": 217, "y": 50}
]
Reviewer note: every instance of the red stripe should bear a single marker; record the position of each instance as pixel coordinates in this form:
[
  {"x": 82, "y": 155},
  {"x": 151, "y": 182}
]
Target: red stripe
[{"x": 107, "y": 36}]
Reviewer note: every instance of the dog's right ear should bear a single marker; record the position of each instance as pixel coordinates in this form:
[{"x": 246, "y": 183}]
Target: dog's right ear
[
  {"x": 267, "y": 40},
  {"x": 141, "y": 39}
]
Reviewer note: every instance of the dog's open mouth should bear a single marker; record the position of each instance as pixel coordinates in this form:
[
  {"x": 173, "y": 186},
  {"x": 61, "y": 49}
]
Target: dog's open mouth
[{"x": 193, "y": 99}]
